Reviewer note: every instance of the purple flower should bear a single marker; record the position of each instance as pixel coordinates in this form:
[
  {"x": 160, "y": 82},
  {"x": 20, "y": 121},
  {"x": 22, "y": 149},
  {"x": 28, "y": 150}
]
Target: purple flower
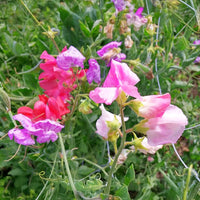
[
  {"x": 45, "y": 130},
  {"x": 21, "y": 136},
  {"x": 111, "y": 51},
  {"x": 136, "y": 19},
  {"x": 196, "y": 42},
  {"x": 197, "y": 60},
  {"x": 93, "y": 73},
  {"x": 119, "y": 4},
  {"x": 70, "y": 58}
]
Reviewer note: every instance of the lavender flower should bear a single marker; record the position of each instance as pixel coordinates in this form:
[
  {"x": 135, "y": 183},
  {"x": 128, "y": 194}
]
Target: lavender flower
[
  {"x": 70, "y": 58},
  {"x": 93, "y": 73},
  {"x": 111, "y": 51}
]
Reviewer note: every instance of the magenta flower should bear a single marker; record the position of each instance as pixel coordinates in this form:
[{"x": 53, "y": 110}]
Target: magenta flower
[
  {"x": 151, "y": 106},
  {"x": 70, "y": 58},
  {"x": 21, "y": 136},
  {"x": 165, "y": 129},
  {"x": 111, "y": 51},
  {"x": 196, "y": 42},
  {"x": 136, "y": 19},
  {"x": 45, "y": 130},
  {"x": 120, "y": 78},
  {"x": 93, "y": 73}
]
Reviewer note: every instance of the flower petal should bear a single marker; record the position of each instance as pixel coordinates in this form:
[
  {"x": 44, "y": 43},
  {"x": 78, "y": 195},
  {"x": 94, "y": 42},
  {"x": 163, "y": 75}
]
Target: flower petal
[{"x": 104, "y": 95}]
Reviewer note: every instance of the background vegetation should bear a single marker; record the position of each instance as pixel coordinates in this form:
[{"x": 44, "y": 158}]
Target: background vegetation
[{"x": 41, "y": 169}]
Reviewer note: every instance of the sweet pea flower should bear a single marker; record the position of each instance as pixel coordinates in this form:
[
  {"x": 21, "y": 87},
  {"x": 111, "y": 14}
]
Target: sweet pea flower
[
  {"x": 45, "y": 130},
  {"x": 102, "y": 125},
  {"x": 197, "y": 60},
  {"x": 119, "y": 4},
  {"x": 93, "y": 73},
  {"x": 46, "y": 108},
  {"x": 147, "y": 147},
  {"x": 197, "y": 42},
  {"x": 108, "y": 124},
  {"x": 136, "y": 19},
  {"x": 55, "y": 81},
  {"x": 165, "y": 129},
  {"x": 111, "y": 51},
  {"x": 70, "y": 58},
  {"x": 150, "y": 106},
  {"x": 120, "y": 78}
]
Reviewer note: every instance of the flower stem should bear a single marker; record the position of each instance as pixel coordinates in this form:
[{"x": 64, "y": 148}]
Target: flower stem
[
  {"x": 67, "y": 167},
  {"x": 107, "y": 189},
  {"x": 52, "y": 39}
]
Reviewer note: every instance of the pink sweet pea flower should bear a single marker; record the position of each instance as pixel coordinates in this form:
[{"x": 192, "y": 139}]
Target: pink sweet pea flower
[
  {"x": 136, "y": 19},
  {"x": 45, "y": 130},
  {"x": 70, "y": 58},
  {"x": 55, "y": 81},
  {"x": 93, "y": 73},
  {"x": 165, "y": 129},
  {"x": 147, "y": 147},
  {"x": 120, "y": 78},
  {"x": 151, "y": 106},
  {"x": 196, "y": 42},
  {"x": 111, "y": 51},
  {"x": 102, "y": 123}
]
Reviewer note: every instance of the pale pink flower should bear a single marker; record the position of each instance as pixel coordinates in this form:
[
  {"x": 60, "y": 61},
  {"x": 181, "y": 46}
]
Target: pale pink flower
[
  {"x": 148, "y": 148},
  {"x": 123, "y": 156},
  {"x": 151, "y": 106},
  {"x": 101, "y": 124},
  {"x": 120, "y": 78},
  {"x": 166, "y": 129}
]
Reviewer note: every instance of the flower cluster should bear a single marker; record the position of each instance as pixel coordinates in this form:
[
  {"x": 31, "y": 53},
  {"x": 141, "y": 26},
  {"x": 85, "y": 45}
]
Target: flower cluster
[
  {"x": 163, "y": 123},
  {"x": 58, "y": 81}
]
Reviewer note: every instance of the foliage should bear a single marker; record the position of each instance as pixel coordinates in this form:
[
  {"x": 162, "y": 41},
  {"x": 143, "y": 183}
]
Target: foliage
[{"x": 38, "y": 172}]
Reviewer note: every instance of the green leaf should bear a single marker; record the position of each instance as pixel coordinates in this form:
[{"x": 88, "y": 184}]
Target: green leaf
[
  {"x": 85, "y": 29},
  {"x": 84, "y": 170},
  {"x": 130, "y": 175},
  {"x": 123, "y": 193},
  {"x": 181, "y": 43}
]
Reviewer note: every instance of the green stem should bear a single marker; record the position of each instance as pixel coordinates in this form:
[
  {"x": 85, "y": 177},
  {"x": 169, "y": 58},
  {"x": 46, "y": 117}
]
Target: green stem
[
  {"x": 115, "y": 146},
  {"x": 11, "y": 117},
  {"x": 107, "y": 189},
  {"x": 67, "y": 167},
  {"x": 52, "y": 39},
  {"x": 187, "y": 183},
  {"x": 92, "y": 163}
]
